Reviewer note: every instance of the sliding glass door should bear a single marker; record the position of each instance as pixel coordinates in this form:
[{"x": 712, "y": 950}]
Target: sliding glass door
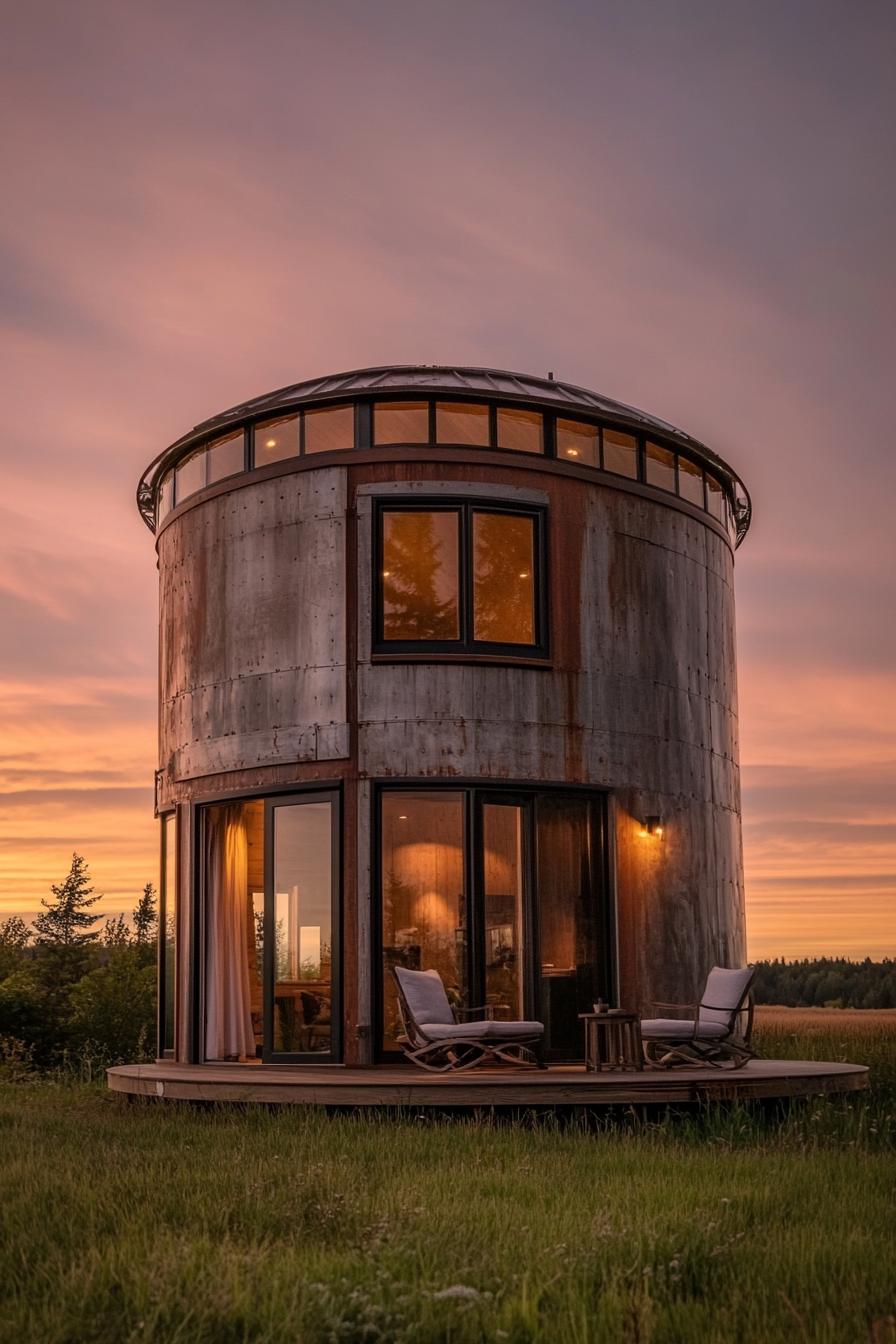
[
  {"x": 502, "y": 880},
  {"x": 423, "y": 894},
  {"x": 573, "y": 919},
  {"x": 505, "y": 895},
  {"x": 271, "y": 920},
  {"x": 301, "y": 929}
]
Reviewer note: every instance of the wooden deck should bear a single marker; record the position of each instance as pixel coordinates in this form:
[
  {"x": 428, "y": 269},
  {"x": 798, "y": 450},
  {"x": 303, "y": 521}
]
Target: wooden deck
[{"x": 407, "y": 1087}]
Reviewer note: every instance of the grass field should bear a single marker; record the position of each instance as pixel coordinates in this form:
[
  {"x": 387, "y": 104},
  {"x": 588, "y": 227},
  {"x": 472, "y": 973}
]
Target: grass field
[{"x": 150, "y": 1222}]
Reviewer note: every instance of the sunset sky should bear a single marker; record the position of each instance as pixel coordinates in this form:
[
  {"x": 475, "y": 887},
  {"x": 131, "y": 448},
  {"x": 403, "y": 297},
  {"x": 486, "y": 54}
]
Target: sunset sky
[{"x": 686, "y": 206}]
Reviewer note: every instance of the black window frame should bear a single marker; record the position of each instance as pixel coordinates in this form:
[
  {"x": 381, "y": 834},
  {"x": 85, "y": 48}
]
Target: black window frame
[
  {"x": 478, "y": 793},
  {"x": 466, "y": 645},
  {"x": 286, "y": 794},
  {"x": 163, "y": 1050}
]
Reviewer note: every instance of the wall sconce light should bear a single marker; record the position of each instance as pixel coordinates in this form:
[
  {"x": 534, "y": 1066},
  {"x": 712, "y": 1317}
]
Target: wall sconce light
[{"x": 652, "y": 826}]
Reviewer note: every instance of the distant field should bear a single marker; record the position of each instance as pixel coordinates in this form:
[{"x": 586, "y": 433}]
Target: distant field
[
  {"x": 147, "y": 1222},
  {"x": 858, "y": 1021}
]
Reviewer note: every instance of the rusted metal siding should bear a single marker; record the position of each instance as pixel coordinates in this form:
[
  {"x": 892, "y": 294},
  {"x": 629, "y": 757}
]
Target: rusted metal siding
[
  {"x": 243, "y": 681},
  {"x": 640, "y": 700},
  {"x": 267, "y": 678}
]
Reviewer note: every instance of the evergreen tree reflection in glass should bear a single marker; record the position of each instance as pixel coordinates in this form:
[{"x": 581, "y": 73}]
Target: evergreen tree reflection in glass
[
  {"x": 420, "y": 575},
  {"x": 503, "y": 578}
]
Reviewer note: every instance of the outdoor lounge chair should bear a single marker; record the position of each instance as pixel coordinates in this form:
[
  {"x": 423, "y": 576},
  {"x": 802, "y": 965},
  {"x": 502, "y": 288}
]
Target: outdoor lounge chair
[
  {"x": 436, "y": 1040},
  {"x": 713, "y": 1033}
]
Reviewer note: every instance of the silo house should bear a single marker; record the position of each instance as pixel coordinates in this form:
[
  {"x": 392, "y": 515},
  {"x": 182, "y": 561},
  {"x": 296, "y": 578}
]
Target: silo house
[{"x": 447, "y": 681}]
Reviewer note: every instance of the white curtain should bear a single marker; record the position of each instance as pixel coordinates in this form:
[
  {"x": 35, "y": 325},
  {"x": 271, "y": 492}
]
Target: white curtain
[{"x": 228, "y": 1004}]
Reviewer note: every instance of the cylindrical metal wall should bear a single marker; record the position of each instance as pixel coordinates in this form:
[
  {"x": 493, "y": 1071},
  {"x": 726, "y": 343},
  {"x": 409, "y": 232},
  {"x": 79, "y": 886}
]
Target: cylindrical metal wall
[{"x": 267, "y": 678}]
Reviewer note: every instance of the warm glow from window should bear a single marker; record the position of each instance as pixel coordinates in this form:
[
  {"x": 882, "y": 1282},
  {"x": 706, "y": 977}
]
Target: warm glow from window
[
  {"x": 578, "y": 442},
  {"x": 523, "y": 431},
  {"x": 401, "y": 422},
  {"x": 330, "y": 429},
  {"x": 462, "y": 422},
  {"x": 276, "y": 440},
  {"x": 503, "y": 551},
  {"x": 421, "y": 577}
]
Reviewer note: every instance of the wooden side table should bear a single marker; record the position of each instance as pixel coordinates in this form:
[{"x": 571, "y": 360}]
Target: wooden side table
[{"x": 612, "y": 1041}]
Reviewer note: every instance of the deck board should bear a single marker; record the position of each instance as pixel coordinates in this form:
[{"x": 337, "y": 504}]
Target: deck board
[{"x": 405, "y": 1087}]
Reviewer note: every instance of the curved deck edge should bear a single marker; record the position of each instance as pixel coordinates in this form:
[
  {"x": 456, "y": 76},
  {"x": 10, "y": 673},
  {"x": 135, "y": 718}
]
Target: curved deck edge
[{"x": 336, "y": 1086}]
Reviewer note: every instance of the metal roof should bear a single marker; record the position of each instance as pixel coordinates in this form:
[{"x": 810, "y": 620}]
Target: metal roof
[
  {"x": 441, "y": 378},
  {"x": 433, "y": 379}
]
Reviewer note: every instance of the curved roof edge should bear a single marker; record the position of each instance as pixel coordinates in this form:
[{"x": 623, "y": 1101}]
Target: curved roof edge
[{"x": 435, "y": 378}]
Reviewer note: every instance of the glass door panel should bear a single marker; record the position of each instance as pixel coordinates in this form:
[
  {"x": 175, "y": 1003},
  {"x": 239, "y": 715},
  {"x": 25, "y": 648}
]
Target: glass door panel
[
  {"x": 233, "y": 865},
  {"x": 423, "y": 892},
  {"x": 503, "y": 893},
  {"x": 302, "y": 930},
  {"x": 572, "y": 951}
]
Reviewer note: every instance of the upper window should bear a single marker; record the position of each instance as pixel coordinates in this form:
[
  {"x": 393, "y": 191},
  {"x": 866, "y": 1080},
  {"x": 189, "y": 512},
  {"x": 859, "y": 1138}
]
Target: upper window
[
  {"x": 578, "y": 441},
  {"x": 659, "y": 467},
  {"x": 459, "y": 577},
  {"x": 620, "y": 453},
  {"x": 275, "y": 440},
  {"x": 690, "y": 481},
  {"x": 462, "y": 422},
  {"x": 329, "y": 429},
  {"x": 521, "y": 430},
  {"x": 401, "y": 422}
]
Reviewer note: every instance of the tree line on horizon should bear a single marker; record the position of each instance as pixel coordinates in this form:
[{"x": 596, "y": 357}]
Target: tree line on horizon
[
  {"x": 69, "y": 989},
  {"x": 826, "y": 982}
]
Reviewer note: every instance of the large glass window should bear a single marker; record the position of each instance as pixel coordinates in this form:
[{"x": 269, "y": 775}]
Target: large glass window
[
  {"x": 463, "y": 578},
  {"x": 503, "y": 894},
  {"x": 462, "y": 422},
  {"x": 573, "y": 922},
  {"x": 578, "y": 442},
  {"x": 329, "y": 429},
  {"x": 401, "y": 422},
  {"x": 275, "y": 440},
  {"x": 271, "y": 928},
  {"x": 234, "y": 923},
  {"x": 422, "y": 894},
  {"x": 521, "y": 430},
  {"x": 303, "y": 928}
]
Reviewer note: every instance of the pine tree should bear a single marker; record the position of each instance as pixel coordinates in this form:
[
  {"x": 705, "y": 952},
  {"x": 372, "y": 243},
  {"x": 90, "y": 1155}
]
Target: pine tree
[
  {"x": 14, "y": 936},
  {"x": 145, "y": 917},
  {"x": 418, "y": 597},
  {"x": 66, "y": 922},
  {"x": 116, "y": 932}
]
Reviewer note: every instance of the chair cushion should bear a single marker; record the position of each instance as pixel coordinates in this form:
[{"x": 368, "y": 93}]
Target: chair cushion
[
  {"x": 480, "y": 1031},
  {"x": 680, "y": 1029},
  {"x": 724, "y": 992},
  {"x": 425, "y": 995}
]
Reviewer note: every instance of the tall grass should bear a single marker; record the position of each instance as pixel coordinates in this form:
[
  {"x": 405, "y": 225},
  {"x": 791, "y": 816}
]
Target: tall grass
[{"x": 146, "y": 1221}]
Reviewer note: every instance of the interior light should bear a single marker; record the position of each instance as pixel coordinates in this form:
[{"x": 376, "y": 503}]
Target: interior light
[
  {"x": 525, "y": 574},
  {"x": 402, "y": 816},
  {"x": 386, "y": 573},
  {"x": 271, "y": 443},
  {"x": 572, "y": 452}
]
